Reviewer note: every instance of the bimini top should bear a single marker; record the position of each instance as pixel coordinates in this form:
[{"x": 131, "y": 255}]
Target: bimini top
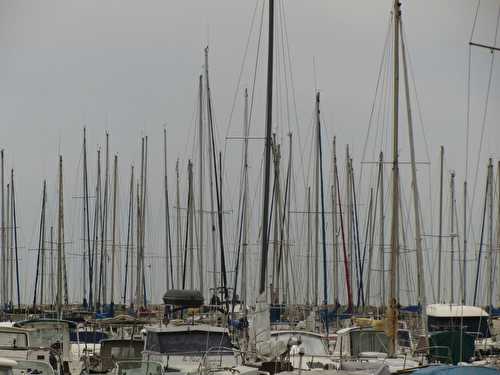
[
  {"x": 186, "y": 298},
  {"x": 455, "y": 311}
]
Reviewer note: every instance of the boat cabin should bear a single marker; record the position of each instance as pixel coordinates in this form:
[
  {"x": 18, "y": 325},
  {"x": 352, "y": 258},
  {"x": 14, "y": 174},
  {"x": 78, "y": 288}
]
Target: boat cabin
[{"x": 473, "y": 320}]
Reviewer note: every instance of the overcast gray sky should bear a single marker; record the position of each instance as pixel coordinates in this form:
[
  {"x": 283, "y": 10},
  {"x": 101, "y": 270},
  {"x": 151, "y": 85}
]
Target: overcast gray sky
[{"x": 129, "y": 67}]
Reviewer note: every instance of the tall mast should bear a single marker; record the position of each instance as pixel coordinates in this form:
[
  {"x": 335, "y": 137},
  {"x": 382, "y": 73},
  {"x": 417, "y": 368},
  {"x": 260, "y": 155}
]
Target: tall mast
[
  {"x": 14, "y": 223},
  {"x": 416, "y": 199},
  {"x": 143, "y": 220},
  {"x": 498, "y": 232},
  {"x": 211, "y": 179},
  {"x": 168, "y": 238},
  {"x": 104, "y": 230},
  {"x": 393, "y": 309},
  {"x": 452, "y": 235},
  {"x": 130, "y": 237},
  {"x": 440, "y": 236},
  {"x": 86, "y": 226},
  {"x": 4, "y": 247},
  {"x": 464, "y": 269},
  {"x": 42, "y": 246},
  {"x": 178, "y": 263},
  {"x": 95, "y": 246},
  {"x": 9, "y": 277},
  {"x": 51, "y": 265},
  {"x": 276, "y": 153},
  {"x": 246, "y": 130},
  {"x": 349, "y": 215},
  {"x": 140, "y": 207},
  {"x": 190, "y": 224},
  {"x": 201, "y": 167},
  {"x": 113, "y": 235},
  {"x": 138, "y": 277},
  {"x": 334, "y": 227},
  {"x": 323, "y": 230},
  {"x": 40, "y": 269},
  {"x": 308, "y": 256},
  {"x": 267, "y": 154},
  {"x": 60, "y": 239},
  {"x": 371, "y": 232},
  {"x": 489, "y": 287},
  {"x": 381, "y": 227},
  {"x": 286, "y": 284}
]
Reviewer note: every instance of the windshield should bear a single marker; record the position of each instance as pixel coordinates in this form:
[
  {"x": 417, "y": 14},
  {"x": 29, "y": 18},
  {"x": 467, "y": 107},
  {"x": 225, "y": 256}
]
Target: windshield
[
  {"x": 45, "y": 336},
  {"x": 313, "y": 345},
  {"x": 125, "y": 350},
  {"x": 139, "y": 368},
  {"x": 186, "y": 342},
  {"x": 368, "y": 341},
  {"x": 13, "y": 340},
  {"x": 5, "y": 371}
]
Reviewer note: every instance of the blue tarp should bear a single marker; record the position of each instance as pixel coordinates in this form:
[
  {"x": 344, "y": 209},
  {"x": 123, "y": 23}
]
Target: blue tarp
[
  {"x": 416, "y": 309},
  {"x": 104, "y": 315},
  {"x": 495, "y": 311},
  {"x": 456, "y": 370},
  {"x": 332, "y": 315}
]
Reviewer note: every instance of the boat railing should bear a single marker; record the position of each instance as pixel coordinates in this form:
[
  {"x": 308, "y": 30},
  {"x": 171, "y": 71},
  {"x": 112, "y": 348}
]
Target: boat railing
[
  {"x": 426, "y": 350},
  {"x": 222, "y": 350}
]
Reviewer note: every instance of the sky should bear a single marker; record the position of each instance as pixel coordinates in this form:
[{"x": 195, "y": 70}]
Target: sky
[{"x": 131, "y": 68}]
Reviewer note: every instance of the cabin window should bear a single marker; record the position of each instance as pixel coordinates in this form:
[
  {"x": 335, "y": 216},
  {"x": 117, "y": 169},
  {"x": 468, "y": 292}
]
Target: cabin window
[
  {"x": 404, "y": 340},
  {"x": 313, "y": 345},
  {"x": 186, "y": 342},
  {"x": 13, "y": 340},
  {"x": 368, "y": 341}
]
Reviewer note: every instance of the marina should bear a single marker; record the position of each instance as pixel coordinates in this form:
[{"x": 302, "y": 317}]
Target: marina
[{"x": 281, "y": 242}]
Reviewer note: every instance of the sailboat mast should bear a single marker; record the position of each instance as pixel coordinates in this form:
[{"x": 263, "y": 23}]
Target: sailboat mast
[
  {"x": 349, "y": 239},
  {"x": 323, "y": 229},
  {"x": 381, "y": 227},
  {"x": 245, "y": 202},
  {"x": 335, "y": 273},
  {"x": 51, "y": 265},
  {"x": 190, "y": 224},
  {"x": 416, "y": 198},
  {"x": 211, "y": 180},
  {"x": 178, "y": 262},
  {"x": 168, "y": 238},
  {"x": 489, "y": 287},
  {"x": 113, "y": 235},
  {"x": 9, "y": 258},
  {"x": 393, "y": 309},
  {"x": 464, "y": 268},
  {"x": 498, "y": 232},
  {"x": 267, "y": 153},
  {"x": 14, "y": 222},
  {"x": 201, "y": 168},
  {"x": 104, "y": 230},
  {"x": 86, "y": 225},
  {"x": 4, "y": 247},
  {"x": 130, "y": 234},
  {"x": 60, "y": 239},
  {"x": 440, "y": 235},
  {"x": 452, "y": 235},
  {"x": 308, "y": 255}
]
